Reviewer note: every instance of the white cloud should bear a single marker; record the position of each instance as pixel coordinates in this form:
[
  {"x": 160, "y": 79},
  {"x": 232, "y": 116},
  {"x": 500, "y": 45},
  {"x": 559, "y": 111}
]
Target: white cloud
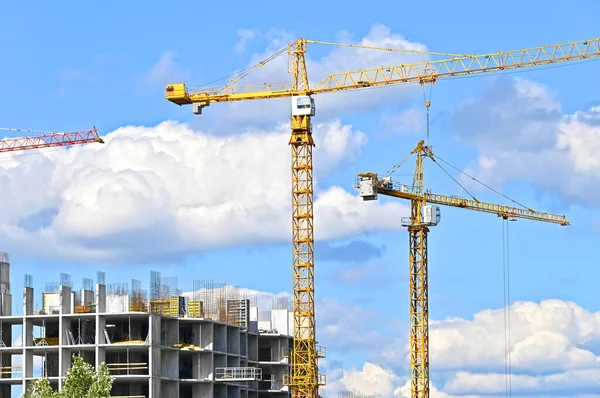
[
  {"x": 547, "y": 337},
  {"x": 554, "y": 347},
  {"x": 376, "y": 381},
  {"x": 153, "y": 191},
  {"x": 554, "y": 351},
  {"x": 165, "y": 70},
  {"x": 494, "y": 383},
  {"x": 246, "y": 36},
  {"x": 339, "y": 331},
  {"x": 371, "y": 380},
  {"x": 407, "y": 121},
  {"x": 335, "y": 59},
  {"x": 521, "y": 133}
]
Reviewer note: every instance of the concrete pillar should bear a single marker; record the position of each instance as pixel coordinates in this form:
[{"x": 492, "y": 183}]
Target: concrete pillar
[
  {"x": 65, "y": 300},
  {"x": 87, "y": 297},
  {"x": 154, "y": 356},
  {"x": 100, "y": 298},
  {"x": 27, "y": 301},
  {"x": 6, "y": 304},
  {"x": 28, "y": 294}
]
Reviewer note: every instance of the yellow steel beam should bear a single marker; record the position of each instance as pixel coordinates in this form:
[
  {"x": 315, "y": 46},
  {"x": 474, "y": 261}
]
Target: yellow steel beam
[
  {"x": 304, "y": 370},
  {"x": 456, "y": 201},
  {"x": 420, "y": 72},
  {"x": 418, "y": 232}
]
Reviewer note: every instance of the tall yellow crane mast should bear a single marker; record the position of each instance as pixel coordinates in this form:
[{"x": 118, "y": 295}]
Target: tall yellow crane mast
[
  {"x": 423, "y": 216},
  {"x": 304, "y": 378}
]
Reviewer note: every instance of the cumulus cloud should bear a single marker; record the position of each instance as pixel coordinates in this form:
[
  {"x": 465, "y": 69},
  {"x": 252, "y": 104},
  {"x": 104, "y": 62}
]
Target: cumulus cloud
[
  {"x": 554, "y": 352},
  {"x": 167, "y": 190},
  {"x": 339, "y": 330},
  {"x": 522, "y": 133},
  {"x": 578, "y": 381},
  {"x": 547, "y": 337},
  {"x": 407, "y": 121},
  {"x": 246, "y": 36},
  {"x": 165, "y": 70},
  {"x": 334, "y": 59},
  {"x": 371, "y": 379}
]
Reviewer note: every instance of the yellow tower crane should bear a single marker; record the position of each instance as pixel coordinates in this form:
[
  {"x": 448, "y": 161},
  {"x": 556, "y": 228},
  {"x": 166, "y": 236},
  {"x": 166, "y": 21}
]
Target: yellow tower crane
[
  {"x": 304, "y": 379},
  {"x": 423, "y": 216}
]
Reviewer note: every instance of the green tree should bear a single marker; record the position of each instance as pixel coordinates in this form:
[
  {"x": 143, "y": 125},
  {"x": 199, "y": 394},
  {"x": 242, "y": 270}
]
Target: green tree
[{"x": 82, "y": 381}]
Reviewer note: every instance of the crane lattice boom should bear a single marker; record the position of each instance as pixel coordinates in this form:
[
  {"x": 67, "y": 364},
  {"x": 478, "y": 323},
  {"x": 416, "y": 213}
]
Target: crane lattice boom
[
  {"x": 304, "y": 378},
  {"x": 386, "y": 187},
  {"x": 49, "y": 140},
  {"x": 423, "y": 216},
  {"x": 420, "y": 72}
]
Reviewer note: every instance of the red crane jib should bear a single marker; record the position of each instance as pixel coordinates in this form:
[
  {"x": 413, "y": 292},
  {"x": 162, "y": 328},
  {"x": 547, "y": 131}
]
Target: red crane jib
[{"x": 49, "y": 140}]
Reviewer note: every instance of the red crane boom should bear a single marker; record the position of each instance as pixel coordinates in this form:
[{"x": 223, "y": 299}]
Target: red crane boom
[{"x": 49, "y": 140}]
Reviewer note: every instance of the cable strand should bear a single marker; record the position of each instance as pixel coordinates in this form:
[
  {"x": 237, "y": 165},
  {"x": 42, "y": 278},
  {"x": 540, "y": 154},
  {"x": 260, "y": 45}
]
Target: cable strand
[{"x": 509, "y": 309}]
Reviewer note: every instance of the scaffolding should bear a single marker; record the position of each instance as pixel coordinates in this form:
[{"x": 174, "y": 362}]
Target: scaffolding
[
  {"x": 65, "y": 280},
  {"x": 238, "y": 374},
  {"x": 164, "y": 296},
  {"x": 281, "y": 303},
  {"x": 238, "y": 312},
  {"x": 118, "y": 289},
  {"x": 28, "y": 280},
  {"x": 88, "y": 284},
  {"x": 221, "y": 303},
  {"x": 137, "y": 298},
  {"x": 101, "y": 278},
  {"x": 209, "y": 300},
  {"x": 196, "y": 309}
]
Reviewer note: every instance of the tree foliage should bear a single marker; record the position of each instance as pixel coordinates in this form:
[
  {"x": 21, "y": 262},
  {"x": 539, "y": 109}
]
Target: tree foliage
[{"x": 82, "y": 381}]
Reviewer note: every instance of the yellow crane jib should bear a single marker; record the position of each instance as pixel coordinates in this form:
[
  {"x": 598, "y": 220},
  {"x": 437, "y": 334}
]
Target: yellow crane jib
[
  {"x": 425, "y": 213},
  {"x": 370, "y": 186},
  {"x": 419, "y": 72},
  {"x": 304, "y": 378}
]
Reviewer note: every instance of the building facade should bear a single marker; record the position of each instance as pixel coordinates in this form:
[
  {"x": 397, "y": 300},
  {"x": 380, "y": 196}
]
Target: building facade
[{"x": 153, "y": 348}]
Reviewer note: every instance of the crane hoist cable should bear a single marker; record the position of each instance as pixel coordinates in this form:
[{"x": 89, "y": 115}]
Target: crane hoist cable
[
  {"x": 484, "y": 184},
  {"x": 427, "y": 101},
  {"x": 237, "y": 76},
  {"x": 454, "y": 179},
  {"x": 304, "y": 378},
  {"x": 26, "y": 131},
  {"x": 507, "y": 309}
]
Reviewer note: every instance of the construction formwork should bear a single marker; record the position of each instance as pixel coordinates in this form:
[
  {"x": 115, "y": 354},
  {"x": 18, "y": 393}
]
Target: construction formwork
[{"x": 180, "y": 351}]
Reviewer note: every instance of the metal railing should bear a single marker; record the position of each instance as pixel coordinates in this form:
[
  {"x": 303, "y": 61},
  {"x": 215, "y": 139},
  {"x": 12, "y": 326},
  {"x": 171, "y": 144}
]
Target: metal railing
[{"x": 238, "y": 374}]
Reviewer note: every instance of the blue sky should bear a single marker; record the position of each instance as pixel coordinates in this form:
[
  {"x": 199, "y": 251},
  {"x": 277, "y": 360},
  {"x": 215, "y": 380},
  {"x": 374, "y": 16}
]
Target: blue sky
[{"x": 209, "y": 199}]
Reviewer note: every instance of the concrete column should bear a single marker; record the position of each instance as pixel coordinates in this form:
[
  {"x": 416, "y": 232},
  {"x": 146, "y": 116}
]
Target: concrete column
[
  {"x": 27, "y": 301},
  {"x": 87, "y": 297},
  {"x": 5, "y": 304},
  {"x": 154, "y": 356},
  {"x": 100, "y": 298},
  {"x": 65, "y": 300}
]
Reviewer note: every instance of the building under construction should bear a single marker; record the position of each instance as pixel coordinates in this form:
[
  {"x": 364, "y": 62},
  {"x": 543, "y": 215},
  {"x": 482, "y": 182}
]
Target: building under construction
[{"x": 156, "y": 342}]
